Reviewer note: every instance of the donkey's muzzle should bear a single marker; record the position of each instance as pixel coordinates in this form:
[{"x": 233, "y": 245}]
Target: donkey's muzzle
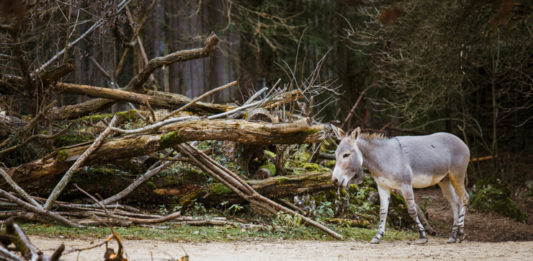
[{"x": 335, "y": 181}]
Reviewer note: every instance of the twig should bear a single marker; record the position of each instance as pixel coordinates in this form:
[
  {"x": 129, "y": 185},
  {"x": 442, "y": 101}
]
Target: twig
[
  {"x": 68, "y": 175},
  {"x": 235, "y": 183},
  {"x": 37, "y": 210},
  {"x": 253, "y": 97},
  {"x": 102, "y": 70},
  {"x": 182, "y": 108},
  {"x": 90, "y": 247},
  {"x": 97, "y": 24},
  {"x": 151, "y": 111},
  {"x": 354, "y": 107},
  {"x": 38, "y": 136},
  {"x": 8, "y": 256},
  {"x": 134, "y": 36},
  {"x": 28, "y": 250},
  {"x": 137, "y": 182},
  {"x": 138, "y": 80},
  {"x": 28, "y": 127},
  {"x": 154, "y": 220},
  {"x": 18, "y": 189}
]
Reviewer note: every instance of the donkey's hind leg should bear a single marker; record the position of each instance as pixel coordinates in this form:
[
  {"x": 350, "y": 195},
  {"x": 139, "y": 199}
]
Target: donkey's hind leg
[
  {"x": 458, "y": 183},
  {"x": 449, "y": 193},
  {"x": 409, "y": 197}
]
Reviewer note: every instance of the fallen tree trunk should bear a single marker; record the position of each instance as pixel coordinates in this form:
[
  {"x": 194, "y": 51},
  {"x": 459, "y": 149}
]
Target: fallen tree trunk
[
  {"x": 160, "y": 99},
  {"x": 274, "y": 187},
  {"x": 31, "y": 175}
]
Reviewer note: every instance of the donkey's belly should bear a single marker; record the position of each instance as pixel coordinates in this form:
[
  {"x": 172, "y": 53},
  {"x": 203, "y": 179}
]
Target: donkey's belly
[{"x": 426, "y": 180}]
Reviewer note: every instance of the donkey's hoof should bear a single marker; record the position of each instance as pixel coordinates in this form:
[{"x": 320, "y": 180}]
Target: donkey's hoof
[
  {"x": 461, "y": 236},
  {"x": 451, "y": 240},
  {"x": 432, "y": 232},
  {"x": 421, "y": 241},
  {"x": 375, "y": 240}
]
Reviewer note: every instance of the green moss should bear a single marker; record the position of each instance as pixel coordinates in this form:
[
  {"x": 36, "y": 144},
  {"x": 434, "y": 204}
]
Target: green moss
[
  {"x": 496, "y": 200},
  {"x": 282, "y": 180},
  {"x": 329, "y": 163},
  {"x": 270, "y": 168},
  {"x": 129, "y": 115},
  {"x": 269, "y": 154},
  {"x": 70, "y": 139},
  {"x": 188, "y": 199},
  {"x": 219, "y": 189},
  {"x": 312, "y": 167},
  {"x": 62, "y": 155},
  {"x": 309, "y": 131},
  {"x": 95, "y": 117},
  {"x": 170, "y": 139},
  {"x": 192, "y": 176},
  {"x": 150, "y": 185}
]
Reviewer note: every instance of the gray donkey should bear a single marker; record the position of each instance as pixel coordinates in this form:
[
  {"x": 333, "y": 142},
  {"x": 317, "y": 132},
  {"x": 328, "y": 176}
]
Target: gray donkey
[{"x": 404, "y": 163}]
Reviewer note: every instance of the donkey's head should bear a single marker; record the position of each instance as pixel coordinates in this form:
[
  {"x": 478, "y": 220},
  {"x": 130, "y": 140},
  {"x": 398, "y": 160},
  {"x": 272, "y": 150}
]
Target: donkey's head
[{"x": 349, "y": 159}]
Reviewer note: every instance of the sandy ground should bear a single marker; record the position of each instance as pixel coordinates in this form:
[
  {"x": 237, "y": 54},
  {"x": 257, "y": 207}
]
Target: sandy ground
[{"x": 436, "y": 249}]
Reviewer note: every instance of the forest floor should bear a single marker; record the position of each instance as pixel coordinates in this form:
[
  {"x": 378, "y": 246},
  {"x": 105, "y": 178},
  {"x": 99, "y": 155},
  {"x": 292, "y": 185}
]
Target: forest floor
[
  {"x": 489, "y": 236},
  {"x": 479, "y": 226}
]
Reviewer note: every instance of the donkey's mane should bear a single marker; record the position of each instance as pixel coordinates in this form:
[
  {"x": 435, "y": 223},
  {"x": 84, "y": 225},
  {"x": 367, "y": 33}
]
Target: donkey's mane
[{"x": 373, "y": 136}]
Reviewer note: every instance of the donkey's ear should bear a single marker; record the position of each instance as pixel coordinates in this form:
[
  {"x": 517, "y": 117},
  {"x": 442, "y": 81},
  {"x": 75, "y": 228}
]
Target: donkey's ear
[
  {"x": 339, "y": 133},
  {"x": 355, "y": 133}
]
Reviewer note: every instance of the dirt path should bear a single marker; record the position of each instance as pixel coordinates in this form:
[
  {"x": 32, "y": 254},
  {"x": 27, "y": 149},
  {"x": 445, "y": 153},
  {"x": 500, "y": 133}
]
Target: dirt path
[
  {"x": 301, "y": 250},
  {"x": 479, "y": 226}
]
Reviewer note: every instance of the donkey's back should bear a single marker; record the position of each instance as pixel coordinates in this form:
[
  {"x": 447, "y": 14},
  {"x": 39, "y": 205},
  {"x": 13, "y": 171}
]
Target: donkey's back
[{"x": 431, "y": 157}]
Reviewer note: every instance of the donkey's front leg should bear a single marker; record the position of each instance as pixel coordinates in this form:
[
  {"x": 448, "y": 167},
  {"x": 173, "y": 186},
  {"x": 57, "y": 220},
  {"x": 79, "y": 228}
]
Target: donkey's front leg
[
  {"x": 384, "y": 198},
  {"x": 408, "y": 195}
]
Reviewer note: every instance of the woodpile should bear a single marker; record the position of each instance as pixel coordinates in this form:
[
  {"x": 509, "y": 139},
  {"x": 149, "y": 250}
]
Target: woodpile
[{"x": 267, "y": 118}]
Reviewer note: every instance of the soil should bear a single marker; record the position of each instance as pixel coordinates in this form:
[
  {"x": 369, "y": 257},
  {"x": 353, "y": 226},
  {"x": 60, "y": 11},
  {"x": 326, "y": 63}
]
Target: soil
[
  {"x": 479, "y": 225},
  {"x": 489, "y": 236},
  {"x": 302, "y": 250}
]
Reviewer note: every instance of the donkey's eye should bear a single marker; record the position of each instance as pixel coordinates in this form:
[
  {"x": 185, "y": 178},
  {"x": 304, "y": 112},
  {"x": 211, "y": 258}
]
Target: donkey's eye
[{"x": 346, "y": 155}]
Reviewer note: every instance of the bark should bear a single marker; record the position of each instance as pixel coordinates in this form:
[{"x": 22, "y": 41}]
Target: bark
[
  {"x": 160, "y": 99},
  {"x": 34, "y": 174},
  {"x": 201, "y": 106},
  {"x": 274, "y": 187}
]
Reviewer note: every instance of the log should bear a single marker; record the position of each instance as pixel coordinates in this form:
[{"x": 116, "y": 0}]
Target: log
[
  {"x": 274, "y": 187},
  {"x": 31, "y": 175},
  {"x": 198, "y": 106},
  {"x": 155, "y": 99}
]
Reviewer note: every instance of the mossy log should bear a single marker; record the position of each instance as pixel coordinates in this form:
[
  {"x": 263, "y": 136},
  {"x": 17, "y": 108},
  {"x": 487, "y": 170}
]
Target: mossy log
[
  {"x": 30, "y": 175},
  {"x": 274, "y": 187}
]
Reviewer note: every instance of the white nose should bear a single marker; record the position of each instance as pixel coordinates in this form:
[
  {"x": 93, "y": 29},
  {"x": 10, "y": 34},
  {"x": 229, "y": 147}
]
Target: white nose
[{"x": 335, "y": 178}]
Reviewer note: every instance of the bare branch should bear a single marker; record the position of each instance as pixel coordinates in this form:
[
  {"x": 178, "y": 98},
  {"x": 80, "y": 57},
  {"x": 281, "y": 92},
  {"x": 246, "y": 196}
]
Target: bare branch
[{"x": 66, "y": 178}]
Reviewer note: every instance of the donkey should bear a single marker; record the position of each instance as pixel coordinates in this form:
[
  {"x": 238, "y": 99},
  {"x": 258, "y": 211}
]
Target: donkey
[{"x": 404, "y": 163}]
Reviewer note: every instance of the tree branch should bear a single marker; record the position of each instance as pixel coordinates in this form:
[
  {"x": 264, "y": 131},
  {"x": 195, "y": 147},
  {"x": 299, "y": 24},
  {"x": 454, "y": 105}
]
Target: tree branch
[{"x": 66, "y": 178}]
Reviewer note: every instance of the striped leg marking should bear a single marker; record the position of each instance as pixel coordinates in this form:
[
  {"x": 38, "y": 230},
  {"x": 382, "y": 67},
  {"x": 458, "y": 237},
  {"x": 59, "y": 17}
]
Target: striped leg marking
[
  {"x": 384, "y": 199},
  {"x": 408, "y": 195}
]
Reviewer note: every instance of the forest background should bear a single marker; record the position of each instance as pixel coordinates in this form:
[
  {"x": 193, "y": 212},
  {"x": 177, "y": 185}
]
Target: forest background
[{"x": 398, "y": 67}]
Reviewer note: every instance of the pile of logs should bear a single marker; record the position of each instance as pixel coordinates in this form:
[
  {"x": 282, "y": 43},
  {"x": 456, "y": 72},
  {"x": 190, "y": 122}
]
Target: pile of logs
[{"x": 164, "y": 133}]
